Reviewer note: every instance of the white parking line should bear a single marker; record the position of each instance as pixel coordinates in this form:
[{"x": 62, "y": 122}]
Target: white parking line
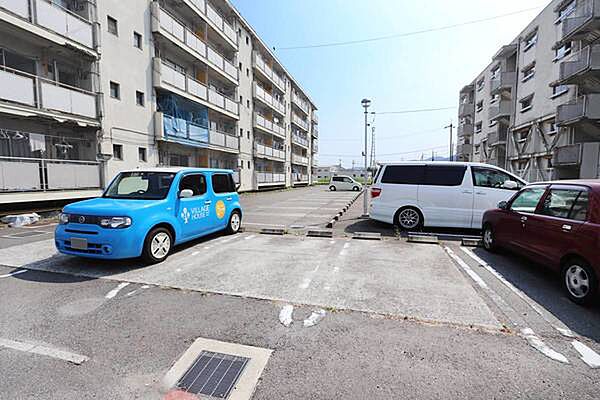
[
  {"x": 21, "y": 271},
  {"x": 116, "y": 290},
  {"x": 587, "y": 355},
  {"x": 250, "y": 237},
  {"x": 537, "y": 343},
  {"x": 343, "y": 252},
  {"x": 74, "y": 358}
]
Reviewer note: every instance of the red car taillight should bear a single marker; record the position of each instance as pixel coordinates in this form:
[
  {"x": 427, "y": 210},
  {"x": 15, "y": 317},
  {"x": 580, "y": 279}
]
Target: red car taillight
[{"x": 375, "y": 192}]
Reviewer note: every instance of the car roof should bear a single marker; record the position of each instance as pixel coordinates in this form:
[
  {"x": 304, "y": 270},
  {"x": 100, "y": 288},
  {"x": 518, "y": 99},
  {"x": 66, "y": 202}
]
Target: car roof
[
  {"x": 593, "y": 184},
  {"x": 465, "y": 163},
  {"x": 176, "y": 170}
]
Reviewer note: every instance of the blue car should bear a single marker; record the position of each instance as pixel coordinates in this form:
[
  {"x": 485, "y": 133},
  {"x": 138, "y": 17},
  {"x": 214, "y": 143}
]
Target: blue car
[{"x": 148, "y": 212}]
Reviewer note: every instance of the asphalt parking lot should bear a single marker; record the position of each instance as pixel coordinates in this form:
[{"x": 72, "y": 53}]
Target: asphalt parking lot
[{"x": 344, "y": 318}]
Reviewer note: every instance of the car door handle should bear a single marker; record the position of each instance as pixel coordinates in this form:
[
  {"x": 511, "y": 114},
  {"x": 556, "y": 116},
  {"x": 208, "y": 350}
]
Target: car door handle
[
  {"x": 207, "y": 202},
  {"x": 229, "y": 198},
  {"x": 523, "y": 219},
  {"x": 480, "y": 193},
  {"x": 467, "y": 192},
  {"x": 567, "y": 228}
]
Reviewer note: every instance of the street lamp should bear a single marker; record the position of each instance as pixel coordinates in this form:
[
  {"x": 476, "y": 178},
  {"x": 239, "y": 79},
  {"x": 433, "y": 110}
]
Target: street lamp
[{"x": 365, "y": 103}]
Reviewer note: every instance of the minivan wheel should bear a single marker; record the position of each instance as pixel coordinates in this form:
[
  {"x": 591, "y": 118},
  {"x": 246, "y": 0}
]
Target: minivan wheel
[
  {"x": 409, "y": 219},
  {"x": 579, "y": 281},
  {"x": 157, "y": 245},
  {"x": 489, "y": 240},
  {"x": 235, "y": 222},
  {"x": 332, "y": 188}
]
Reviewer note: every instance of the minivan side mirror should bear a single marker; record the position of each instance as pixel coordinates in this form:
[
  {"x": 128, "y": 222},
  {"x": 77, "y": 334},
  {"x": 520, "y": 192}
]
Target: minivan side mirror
[
  {"x": 503, "y": 205},
  {"x": 186, "y": 193},
  {"x": 510, "y": 185}
]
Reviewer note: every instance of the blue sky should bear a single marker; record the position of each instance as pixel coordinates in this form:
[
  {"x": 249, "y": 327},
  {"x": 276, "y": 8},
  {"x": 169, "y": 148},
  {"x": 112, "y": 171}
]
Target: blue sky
[{"x": 416, "y": 72}]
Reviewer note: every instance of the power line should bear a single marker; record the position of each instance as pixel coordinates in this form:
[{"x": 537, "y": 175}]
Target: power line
[
  {"x": 406, "y": 34},
  {"x": 384, "y": 155},
  {"x": 416, "y": 111},
  {"x": 385, "y": 137}
]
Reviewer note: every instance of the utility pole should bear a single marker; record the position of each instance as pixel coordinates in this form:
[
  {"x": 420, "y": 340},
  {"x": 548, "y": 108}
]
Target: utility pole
[
  {"x": 372, "y": 161},
  {"x": 451, "y": 126},
  {"x": 365, "y": 103},
  {"x": 432, "y": 155}
]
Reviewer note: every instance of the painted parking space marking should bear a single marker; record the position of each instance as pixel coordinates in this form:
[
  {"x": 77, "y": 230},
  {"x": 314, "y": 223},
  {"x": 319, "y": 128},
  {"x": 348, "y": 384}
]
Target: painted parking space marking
[
  {"x": 250, "y": 237},
  {"x": 52, "y": 352},
  {"x": 115, "y": 291},
  {"x": 21, "y": 271},
  {"x": 537, "y": 343},
  {"x": 587, "y": 355},
  {"x": 344, "y": 250}
]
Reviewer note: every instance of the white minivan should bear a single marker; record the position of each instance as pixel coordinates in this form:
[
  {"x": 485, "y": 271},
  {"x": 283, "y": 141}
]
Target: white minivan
[
  {"x": 439, "y": 194},
  {"x": 343, "y": 182}
]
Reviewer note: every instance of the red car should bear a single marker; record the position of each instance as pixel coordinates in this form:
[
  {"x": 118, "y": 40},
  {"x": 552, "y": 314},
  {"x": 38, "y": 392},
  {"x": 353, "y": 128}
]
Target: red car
[{"x": 556, "y": 224}]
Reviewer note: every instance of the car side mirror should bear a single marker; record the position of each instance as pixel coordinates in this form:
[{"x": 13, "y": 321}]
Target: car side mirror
[
  {"x": 510, "y": 185},
  {"x": 503, "y": 205},
  {"x": 186, "y": 193}
]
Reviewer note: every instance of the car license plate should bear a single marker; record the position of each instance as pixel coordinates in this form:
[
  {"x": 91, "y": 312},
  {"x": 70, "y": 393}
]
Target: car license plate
[{"x": 79, "y": 244}]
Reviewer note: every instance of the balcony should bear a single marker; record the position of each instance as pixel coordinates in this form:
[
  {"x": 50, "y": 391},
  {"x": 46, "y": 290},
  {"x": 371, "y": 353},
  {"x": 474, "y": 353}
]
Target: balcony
[
  {"x": 263, "y": 151},
  {"x": 184, "y": 85},
  {"x": 582, "y": 22},
  {"x": 171, "y": 129},
  {"x": 300, "y": 122},
  {"x": 465, "y": 109},
  {"x": 314, "y": 118},
  {"x": 46, "y": 96},
  {"x": 71, "y": 28},
  {"x": 301, "y": 103},
  {"x": 19, "y": 174},
  {"x": 299, "y": 178},
  {"x": 266, "y": 98},
  {"x": 269, "y": 178},
  {"x": 298, "y": 159},
  {"x": 566, "y": 156},
  {"x": 315, "y": 131},
  {"x": 267, "y": 71},
  {"x": 500, "y": 110},
  {"x": 582, "y": 109},
  {"x": 264, "y": 124},
  {"x": 300, "y": 140},
  {"x": 465, "y": 149},
  {"x": 497, "y": 136},
  {"x": 506, "y": 80},
  {"x": 209, "y": 13},
  {"x": 579, "y": 66},
  {"x": 315, "y": 147},
  {"x": 179, "y": 34},
  {"x": 465, "y": 130}
]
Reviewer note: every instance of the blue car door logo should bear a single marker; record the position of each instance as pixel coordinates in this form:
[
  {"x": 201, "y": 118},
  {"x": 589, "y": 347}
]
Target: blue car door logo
[{"x": 185, "y": 214}]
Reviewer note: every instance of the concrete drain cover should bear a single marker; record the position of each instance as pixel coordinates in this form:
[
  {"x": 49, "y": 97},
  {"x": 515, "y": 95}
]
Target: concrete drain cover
[{"x": 213, "y": 375}]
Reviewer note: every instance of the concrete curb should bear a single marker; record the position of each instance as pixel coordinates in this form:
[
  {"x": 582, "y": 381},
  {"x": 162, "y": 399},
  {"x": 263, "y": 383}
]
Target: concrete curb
[
  {"x": 344, "y": 210},
  {"x": 326, "y": 233},
  {"x": 367, "y": 235},
  {"x": 423, "y": 239}
]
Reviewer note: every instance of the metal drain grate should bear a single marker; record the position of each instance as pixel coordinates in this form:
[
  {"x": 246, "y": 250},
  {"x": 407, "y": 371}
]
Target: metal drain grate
[
  {"x": 27, "y": 234},
  {"x": 213, "y": 375}
]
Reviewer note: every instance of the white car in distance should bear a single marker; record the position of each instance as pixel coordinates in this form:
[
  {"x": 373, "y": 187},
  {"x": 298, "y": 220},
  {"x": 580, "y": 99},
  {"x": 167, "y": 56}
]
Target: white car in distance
[{"x": 344, "y": 182}]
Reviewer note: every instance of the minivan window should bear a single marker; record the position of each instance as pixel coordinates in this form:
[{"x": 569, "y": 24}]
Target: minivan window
[
  {"x": 195, "y": 182},
  {"x": 491, "y": 178},
  {"x": 404, "y": 174},
  {"x": 568, "y": 204},
  {"x": 222, "y": 183},
  {"x": 527, "y": 200},
  {"x": 444, "y": 175},
  {"x": 140, "y": 186},
  {"x": 337, "y": 179}
]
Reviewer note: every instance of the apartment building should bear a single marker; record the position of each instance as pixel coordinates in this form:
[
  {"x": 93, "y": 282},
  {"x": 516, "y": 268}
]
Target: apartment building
[
  {"x": 90, "y": 88},
  {"x": 533, "y": 109}
]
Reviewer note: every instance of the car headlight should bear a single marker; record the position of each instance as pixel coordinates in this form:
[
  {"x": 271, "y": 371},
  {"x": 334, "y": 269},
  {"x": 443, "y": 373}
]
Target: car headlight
[
  {"x": 115, "y": 222},
  {"x": 63, "y": 218}
]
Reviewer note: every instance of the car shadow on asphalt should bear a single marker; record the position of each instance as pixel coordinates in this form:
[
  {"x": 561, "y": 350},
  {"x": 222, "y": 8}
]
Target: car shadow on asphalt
[
  {"x": 544, "y": 287},
  {"x": 73, "y": 269}
]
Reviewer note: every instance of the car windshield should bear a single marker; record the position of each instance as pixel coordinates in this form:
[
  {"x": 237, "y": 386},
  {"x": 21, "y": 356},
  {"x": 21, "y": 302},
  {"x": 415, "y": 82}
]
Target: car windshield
[{"x": 140, "y": 186}]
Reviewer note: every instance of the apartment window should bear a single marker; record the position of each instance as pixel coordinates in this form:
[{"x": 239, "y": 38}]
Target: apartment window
[
  {"x": 248, "y": 134},
  {"x": 241, "y": 132},
  {"x": 559, "y": 91},
  {"x": 528, "y": 72},
  {"x": 142, "y": 154},
  {"x": 522, "y": 135},
  {"x": 476, "y": 151},
  {"x": 495, "y": 72},
  {"x": 137, "y": 40},
  {"x": 495, "y": 98},
  {"x": 526, "y": 103},
  {"x": 240, "y": 66},
  {"x": 247, "y": 40},
  {"x": 478, "y": 127},
  {"x": 139, "y": 98},
  {"x": 248, "y": 103},
  {"x": 530, "y": 40},
  {"x": 479, "y": 106},
  {"x": 552, "y": 128},
  {"x": 565, "y": 11},
  {"x": 248, "y": 164},
  {"x": 562, "y": 51},
  {"x": 480, "y": 84},
  {"x": 247, "y": 72},
  {"x": 493, "y": 122},
  {"x": 241, "y": 99},
  {"x": 118, "y": 151},
  {"x": 115, "y": 90},
  {"x": 112, "y": 25}
]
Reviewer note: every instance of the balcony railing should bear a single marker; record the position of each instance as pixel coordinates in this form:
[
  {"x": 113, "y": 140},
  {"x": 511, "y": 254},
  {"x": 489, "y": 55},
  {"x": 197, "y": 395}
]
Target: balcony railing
[
  {"x": 466, "y": 109},
  {"x": 500, "y": 109},
  {"x": 44, "y": 94},
  {"x": 262, "y": 122},
  {"x": 268, "y": 99},
  {"x": 224, "y": 139},
  {"x": 586, "y": 59},
  {"x": 298, "y": 159},
  {"x": 569, "y": 155},
  {"x": 269, "y": 177},
  {"x": 301, "y": 103},
  {"x": 193, "y": 87},
  {"x": 53, "y": 17},
  {"x": 315, "y": 147},
  {"x": 315, "y": 131},
  {"x": 261, "y": 65},
  {"x": 505, "y": 80},
  {"x": 19, "y": 174},
  {"x": 188, "y": 132},
  {"x": 299, "y": 121},
  {"x": 465, "y": 149},
  {"x": 207, "y": 11},
  {"x": 315, "y": 118},
  {"x": 178, "y": 32},
  {"x": 585, "y": 107},
  {"x": 586, "y": 11},
  {"x": 299, "y": 140},
  {"x": 465, "y": 129},
  {"x": 496, "y": 137},
  {"x": 299, "y": 177},
  {"x": 263, "y": 150}
]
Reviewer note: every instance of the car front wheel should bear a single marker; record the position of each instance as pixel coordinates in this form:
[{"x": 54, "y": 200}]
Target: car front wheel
[
  {"x": 157, "y": 245},
  {"x": 579, "y": 281},
  {"x": 332, "y": 188}
]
